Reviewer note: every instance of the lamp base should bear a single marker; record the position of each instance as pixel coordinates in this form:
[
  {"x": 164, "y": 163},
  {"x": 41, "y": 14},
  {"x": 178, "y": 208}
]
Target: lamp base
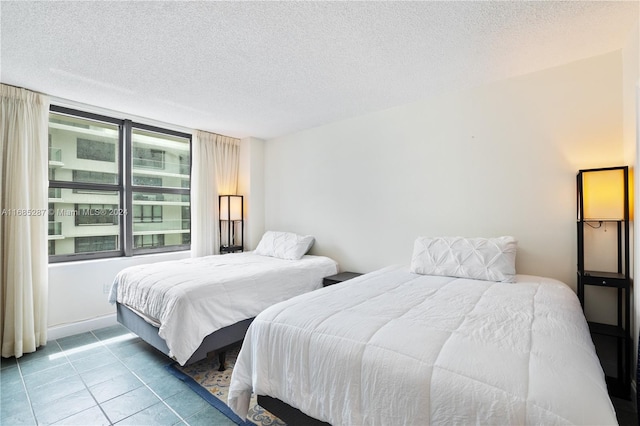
[{"x": 230, "y": 249}]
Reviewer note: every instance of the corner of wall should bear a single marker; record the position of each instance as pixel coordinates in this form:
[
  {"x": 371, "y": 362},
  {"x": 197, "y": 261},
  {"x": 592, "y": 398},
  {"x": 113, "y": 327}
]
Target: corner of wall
[
  {"x": 631, "y": 144},
  {"x": 251, "y": 185}
]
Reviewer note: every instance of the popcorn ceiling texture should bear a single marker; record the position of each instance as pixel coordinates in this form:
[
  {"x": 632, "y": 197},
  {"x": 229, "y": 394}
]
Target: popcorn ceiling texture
[{"x": 266, "y": 69}]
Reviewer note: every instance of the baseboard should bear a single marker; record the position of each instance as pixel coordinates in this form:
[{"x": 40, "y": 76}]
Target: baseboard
[{"x": 66, "y": 330}]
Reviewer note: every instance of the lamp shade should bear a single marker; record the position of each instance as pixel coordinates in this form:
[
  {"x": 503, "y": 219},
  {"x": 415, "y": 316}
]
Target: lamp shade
[
  {"x": 603, "y": 194},
  {"x": 231, "y": 207}
]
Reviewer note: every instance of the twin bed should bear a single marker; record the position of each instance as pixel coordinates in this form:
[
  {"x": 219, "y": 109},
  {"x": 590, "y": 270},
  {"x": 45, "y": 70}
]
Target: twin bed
[
  {"x": 455, "y": 338},
  {"x": 189, "y": 308}
]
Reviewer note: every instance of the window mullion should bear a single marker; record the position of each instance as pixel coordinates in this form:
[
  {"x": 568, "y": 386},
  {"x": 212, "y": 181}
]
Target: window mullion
[{"x": 128, "y": 191}]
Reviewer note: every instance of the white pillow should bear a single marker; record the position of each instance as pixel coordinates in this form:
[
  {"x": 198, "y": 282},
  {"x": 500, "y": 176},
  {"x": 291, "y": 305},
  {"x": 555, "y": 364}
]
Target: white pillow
[
  {"x": 284, "y": 245},
  {"x": 490, "y": 259}
]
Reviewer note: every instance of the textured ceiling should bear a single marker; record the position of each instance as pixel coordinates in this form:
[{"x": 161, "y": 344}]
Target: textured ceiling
[{"x": 266, "y": 69}]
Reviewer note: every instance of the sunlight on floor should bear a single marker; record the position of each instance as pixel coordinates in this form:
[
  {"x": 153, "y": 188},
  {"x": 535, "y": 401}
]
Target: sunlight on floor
[{"x": 122, "y": 338}]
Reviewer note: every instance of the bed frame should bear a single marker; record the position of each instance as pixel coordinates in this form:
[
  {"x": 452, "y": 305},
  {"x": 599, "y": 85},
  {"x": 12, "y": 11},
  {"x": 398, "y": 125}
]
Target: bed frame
[
  {"x": 287, "y": 413},
  {"x": 218, "y": 341}
]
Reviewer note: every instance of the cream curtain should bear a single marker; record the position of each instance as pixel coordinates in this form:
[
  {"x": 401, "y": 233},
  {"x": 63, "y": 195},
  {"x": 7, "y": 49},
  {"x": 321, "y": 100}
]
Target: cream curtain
[
  {"x": 23, "y": 220},
  {"x": 216, "y": 160}
]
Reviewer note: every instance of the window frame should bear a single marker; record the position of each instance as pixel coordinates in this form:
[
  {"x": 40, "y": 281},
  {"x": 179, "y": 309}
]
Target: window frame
[{"x": 125, "y": 187}]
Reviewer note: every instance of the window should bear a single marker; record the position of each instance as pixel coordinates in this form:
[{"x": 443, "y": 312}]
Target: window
[
  {"x": 161, "y": 182},
  {"x": 146, "y": 241},
  {"x": 138, "y": 196},
  {"x": 97, "y": 243},
  {"x": 94, "y": 177},
  {"x": 96, "y": 214},
  {"x": 185, "y": 164},
  {"x": 95, "y": 150},
  {"x": 186, "y": 224},
  {"x": 146, "y": 181},
  {"x": 147, "y": 213},
  {"x": 101, "y": 205},
  {"x": 148, "y": 158},
  {"x": 162, "y": 217}
]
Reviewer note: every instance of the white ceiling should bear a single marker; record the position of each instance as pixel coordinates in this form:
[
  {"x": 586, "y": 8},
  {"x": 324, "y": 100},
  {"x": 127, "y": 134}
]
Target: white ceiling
[{"x": 266, "y": 69}]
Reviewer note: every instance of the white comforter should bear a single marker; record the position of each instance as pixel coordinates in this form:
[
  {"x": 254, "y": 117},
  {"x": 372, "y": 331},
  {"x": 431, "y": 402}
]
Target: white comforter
[
  {"x": 393, "y": 348},
  {"x": 192, "y": 298}
]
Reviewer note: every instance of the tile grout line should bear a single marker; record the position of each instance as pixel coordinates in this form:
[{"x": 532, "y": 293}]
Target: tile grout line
[
  {"x": 144, "y": 382},
  {"x": 181, "y": 420},
  {"x": 26, "y": 392},
  {"x": 158, "y": 396},
  {"x": 85, "y": 384}
]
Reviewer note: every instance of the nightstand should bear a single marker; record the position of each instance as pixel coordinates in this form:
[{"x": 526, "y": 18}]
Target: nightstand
[
  {"x": 338, "y": 278},
  {"x": 230, "y": 249}
]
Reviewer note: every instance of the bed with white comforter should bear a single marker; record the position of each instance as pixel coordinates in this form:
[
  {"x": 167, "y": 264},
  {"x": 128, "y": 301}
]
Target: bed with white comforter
[
  {"x": 189, "y": 299},
  {"x": 393, "y": 347}
]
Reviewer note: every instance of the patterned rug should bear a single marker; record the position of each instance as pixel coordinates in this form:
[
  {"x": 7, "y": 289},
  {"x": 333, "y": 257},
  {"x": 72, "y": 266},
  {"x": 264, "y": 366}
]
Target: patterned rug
[{"x": 213, "y": 385}]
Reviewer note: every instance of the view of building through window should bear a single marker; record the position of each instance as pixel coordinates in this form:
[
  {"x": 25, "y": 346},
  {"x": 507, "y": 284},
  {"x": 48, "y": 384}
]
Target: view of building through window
[
  {"x": 88, "y": 202},
  {"x": 159, "y": 162}
]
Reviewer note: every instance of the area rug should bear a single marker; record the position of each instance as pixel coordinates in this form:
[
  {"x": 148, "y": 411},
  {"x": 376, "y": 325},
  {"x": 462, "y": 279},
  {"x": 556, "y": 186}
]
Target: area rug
[{"x": 213, "y": 385}]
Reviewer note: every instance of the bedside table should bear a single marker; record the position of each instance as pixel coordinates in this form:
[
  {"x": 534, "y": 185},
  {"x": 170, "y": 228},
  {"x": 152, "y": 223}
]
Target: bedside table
[
  {"x": 338, "y": 278},
  {"x": 230, "y": 249}
]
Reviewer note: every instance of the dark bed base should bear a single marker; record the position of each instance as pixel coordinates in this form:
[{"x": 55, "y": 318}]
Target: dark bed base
[
  {"x": 291, "y": 416},
  {"x": 218, "y": 341}
]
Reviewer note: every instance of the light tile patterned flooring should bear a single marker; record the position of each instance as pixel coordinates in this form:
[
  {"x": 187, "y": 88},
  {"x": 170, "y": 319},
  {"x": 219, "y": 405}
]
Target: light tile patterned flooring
[{"x": 104, "y": 377}]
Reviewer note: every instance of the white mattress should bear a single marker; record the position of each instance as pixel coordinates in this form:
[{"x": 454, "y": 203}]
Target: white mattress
[
  {"x": 393, "y": 348},
  {"x": 192, "y": 298}
]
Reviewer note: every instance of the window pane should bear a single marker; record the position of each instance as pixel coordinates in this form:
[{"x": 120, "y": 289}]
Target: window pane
[
  {"x": 160, "y": 220},
  {"x": 89, "y": 149},
  {"x": 83, "y": 223},
  {"x": 96, "y": 214},
  {"x": 148, "y": 158},
  {"x": 148, "y": 240},
  {"x": 88, "y": 176},
  {"x": 96, "y": 244},
  {"x": 160, "y": 160},
  {"x": 147, "y": 181},
  {"x": 82, "y": 150}
]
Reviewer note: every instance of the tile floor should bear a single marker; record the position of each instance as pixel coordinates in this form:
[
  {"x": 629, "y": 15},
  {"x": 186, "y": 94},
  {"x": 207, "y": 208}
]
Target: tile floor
[{"x": 104, "y": 377}]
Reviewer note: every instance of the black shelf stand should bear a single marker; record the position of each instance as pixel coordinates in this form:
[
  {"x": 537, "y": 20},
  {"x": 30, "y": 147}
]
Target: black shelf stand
[
  {"x": 233, "y": 235},
  {"x": 620, "y": 384}
]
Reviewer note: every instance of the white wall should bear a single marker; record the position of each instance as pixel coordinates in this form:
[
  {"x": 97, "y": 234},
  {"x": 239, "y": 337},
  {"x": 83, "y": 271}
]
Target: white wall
[
  {"x": 78, "y": 292},
  {"x": 496, "y": 160},
  {"x": 631, "y": 136},
  {"x": 251, "y": 185}
]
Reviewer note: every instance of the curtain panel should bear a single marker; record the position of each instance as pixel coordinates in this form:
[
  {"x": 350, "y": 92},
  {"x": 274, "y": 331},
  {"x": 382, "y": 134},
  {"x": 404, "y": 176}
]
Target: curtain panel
[
  {"x": 216, "y": 161},
  {"x": 23, "y": 220}
]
